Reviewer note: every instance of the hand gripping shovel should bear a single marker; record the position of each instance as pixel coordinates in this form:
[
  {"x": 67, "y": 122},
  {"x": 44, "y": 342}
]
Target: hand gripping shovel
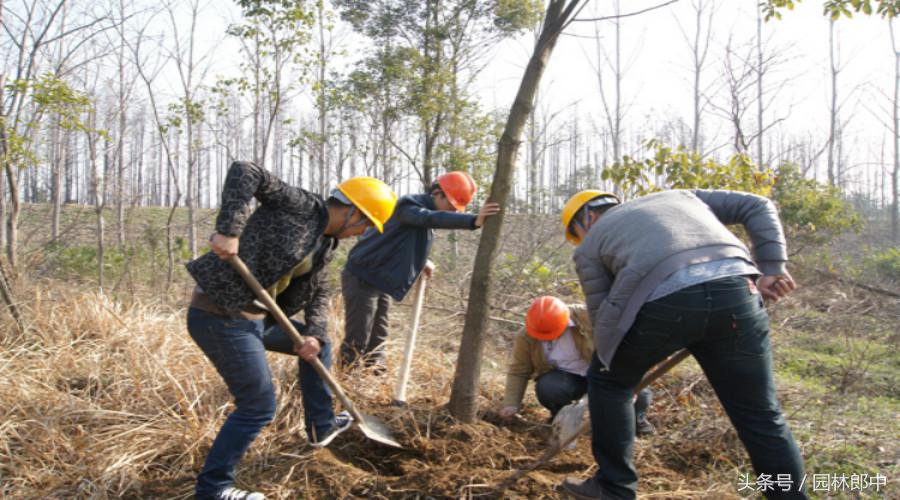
[
  {"x": 372, "y": 427},
  {"x": 660, "y": 370},
  {"x": 400, "y": 389}
]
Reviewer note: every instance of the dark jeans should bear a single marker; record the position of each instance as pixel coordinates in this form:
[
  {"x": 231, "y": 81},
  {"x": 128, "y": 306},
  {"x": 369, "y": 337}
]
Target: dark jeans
[
  {"x": 365, "y": 320},
  {"x": 237, "y": 348},
  {"x": 558, "y": 388},
  {"x": 726, "y": 328}
]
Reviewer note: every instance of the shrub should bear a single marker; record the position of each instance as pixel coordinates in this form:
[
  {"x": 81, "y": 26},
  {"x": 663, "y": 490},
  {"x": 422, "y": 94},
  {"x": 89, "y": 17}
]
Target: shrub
[{"x": 886, "y": 262}]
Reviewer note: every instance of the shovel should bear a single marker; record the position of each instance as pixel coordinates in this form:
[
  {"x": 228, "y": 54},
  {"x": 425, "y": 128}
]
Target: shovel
[
  {"x": 372, "y": 427},
  {"x": 400, "y": 389},
  {"x": 553, "y": 450}
]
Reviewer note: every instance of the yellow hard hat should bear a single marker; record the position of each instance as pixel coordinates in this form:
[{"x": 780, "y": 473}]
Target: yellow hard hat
[
  {"x": 375, "y": 199},
  {"x": 575, "y": 204}
]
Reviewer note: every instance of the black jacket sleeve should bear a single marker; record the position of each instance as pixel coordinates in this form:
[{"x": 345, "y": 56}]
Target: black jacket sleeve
[
  {"x": 414, "y": 215},
  {"x": 245, "y": 181}
]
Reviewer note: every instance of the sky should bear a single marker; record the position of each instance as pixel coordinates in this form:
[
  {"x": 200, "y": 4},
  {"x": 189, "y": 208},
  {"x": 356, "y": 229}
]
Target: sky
[
  {"x": 657, "y": 80},
  {"x": 658, "y": 77}
]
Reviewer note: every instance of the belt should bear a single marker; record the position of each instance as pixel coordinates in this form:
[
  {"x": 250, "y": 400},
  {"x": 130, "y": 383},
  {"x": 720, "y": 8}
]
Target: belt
[{"x": 200, "y": 300}]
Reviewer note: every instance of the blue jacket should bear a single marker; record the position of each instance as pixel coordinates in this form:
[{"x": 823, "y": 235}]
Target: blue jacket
[{"x": 391, "y": 261}]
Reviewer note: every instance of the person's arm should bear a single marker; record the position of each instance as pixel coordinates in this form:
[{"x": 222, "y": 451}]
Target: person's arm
[
  {"x": 595, "y": 279},
  {"x": 517, "y": 374},
  {"x": 245, "y": 181},
  {"x": 316, "y": 311},
  {"x": 413, "y": 215},
  {"x": 759, "y": 217}
]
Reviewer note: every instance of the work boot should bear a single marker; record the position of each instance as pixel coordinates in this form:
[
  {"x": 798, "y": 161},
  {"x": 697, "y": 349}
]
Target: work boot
[
  {"x": 342, "y": 422},
  {"x": 231, "y": 493},
  {"x": 643, "y": 426},
  {"x": 589, "y": 489}
]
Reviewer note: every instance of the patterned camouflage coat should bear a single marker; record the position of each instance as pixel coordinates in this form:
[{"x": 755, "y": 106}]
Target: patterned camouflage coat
[{"x": 288, "y": 224}]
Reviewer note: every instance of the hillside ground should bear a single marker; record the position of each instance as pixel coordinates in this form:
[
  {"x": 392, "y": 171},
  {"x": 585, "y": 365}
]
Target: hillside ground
[{"x": 106, "y": 396}]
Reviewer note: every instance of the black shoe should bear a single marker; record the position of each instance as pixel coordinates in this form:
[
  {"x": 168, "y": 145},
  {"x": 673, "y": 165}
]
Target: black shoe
[
  {"x": 589, "y": 489},
  {"x": 342, "y": 422},
  {"x": 644, "y": 427}
]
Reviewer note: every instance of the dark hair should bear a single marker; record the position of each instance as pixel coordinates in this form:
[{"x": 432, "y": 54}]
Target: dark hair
[
  {"x": 435, "y": 186},
  {"x": 597, "y": 210},
  {"x": 335, "y": 203}
]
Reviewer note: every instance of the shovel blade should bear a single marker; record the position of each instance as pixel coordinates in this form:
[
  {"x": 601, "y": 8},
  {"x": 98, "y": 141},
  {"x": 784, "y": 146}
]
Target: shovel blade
[{"x": 377, "y": 430}]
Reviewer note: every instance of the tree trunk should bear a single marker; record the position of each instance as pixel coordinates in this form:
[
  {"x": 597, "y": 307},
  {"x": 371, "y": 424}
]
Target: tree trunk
[
  {"x": 321, "y": 102},
  {"x": 10, "y": 301},
  {"x": 56, "y": 173},
  {"x": 12, "y": 221},
  {"x": 120, "y": 157},
  {"x": 698, "y": 66},
  {"x": 833, "y": 110},
  {"x": 896, "y": 117},
  {"x": 97, "y": 186},
  {"x": 464, "y": 396},
  {"x": 2, "y": 202}
]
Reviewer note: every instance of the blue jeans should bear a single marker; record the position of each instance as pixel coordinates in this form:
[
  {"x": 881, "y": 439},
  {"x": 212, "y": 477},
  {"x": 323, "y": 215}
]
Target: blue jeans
[
  {"x": 237, "y": 348},
  {"x": 726, "y": 328},
  {"x": 556, "y": 388}
]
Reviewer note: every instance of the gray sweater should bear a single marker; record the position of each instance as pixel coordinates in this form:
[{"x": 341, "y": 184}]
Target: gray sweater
[{"x": 636, "y": 245}]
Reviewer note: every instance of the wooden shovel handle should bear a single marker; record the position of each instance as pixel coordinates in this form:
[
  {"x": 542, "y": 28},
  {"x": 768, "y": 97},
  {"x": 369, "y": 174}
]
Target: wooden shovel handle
[{"x": 288, "y": 327}]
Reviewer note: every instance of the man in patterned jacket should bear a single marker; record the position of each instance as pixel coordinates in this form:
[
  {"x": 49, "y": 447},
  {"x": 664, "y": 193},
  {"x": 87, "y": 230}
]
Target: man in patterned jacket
[{"x": 287, "y": 243}]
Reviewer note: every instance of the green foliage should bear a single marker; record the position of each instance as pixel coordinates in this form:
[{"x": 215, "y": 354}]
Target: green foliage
[
  {"x": 812, "y": 212},
  {"x": 81, "y": 262},
  {"x": 512, "y": 16},
  {"x": 680, "y": 168},
  {"x": 837, "y": 8},
  {"x": 47, "y": 94},
  {"x": 476, "y": 149},
  {"x": 274, "y": 34},
  {"x": 531, "y": 272},
  {"x": 419, "y": 50},
  {"x": 886, "y": 262}
]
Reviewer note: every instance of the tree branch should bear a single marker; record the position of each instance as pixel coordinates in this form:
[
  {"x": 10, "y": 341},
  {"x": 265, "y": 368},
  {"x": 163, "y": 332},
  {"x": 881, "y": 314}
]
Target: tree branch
[{"x": 620, "y": 16}]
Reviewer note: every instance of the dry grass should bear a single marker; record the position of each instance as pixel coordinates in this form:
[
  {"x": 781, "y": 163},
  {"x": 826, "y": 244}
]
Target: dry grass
[{"x": 104, "y": 401}]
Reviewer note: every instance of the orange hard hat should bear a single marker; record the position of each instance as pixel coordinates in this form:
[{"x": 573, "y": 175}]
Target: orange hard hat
[
  {"x": 458, "y": 187},
  {"x": 547, "y": 318}
]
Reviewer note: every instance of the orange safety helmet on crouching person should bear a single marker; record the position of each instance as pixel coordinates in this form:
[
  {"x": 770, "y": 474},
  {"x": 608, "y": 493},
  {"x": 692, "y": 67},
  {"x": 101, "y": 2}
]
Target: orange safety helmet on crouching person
[
  {"x": 547, "y": 318},
  {"x": 458, "y": 187}
]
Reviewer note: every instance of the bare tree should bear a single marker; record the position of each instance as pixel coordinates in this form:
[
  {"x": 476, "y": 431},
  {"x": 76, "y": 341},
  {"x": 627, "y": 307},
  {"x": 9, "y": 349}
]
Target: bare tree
[
  {"x": 191, "y": 71},
  {"x": 698, "y": 42},
  {"x": 759, "y": 88},
  {"x": 463, "y": 398},
  {"x": 148, "y": 71},
  {"x": 895, "y": 173},
  {"x": 613, "y": 111},
  {"x": 31, "y": 31},
  {"x": 833, "y": 119}
]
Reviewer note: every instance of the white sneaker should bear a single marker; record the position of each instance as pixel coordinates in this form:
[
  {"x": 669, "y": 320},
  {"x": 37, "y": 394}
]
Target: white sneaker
[{"x": 231, "y": 493}]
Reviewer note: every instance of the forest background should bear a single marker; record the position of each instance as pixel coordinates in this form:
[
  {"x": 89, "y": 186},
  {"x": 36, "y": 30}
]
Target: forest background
[{"x": 120, "y": 118}]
